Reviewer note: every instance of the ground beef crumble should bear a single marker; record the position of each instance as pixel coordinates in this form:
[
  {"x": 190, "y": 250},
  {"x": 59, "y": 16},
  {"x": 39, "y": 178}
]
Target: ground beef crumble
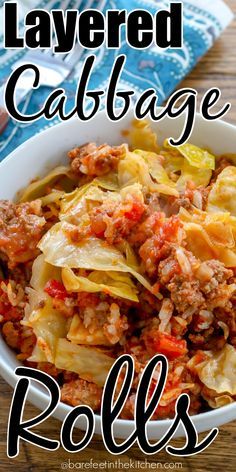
[
  {"x": 81, "y": 392},
  {"x": 94, "y": 160},
  {"x": 21, "y": 227}
]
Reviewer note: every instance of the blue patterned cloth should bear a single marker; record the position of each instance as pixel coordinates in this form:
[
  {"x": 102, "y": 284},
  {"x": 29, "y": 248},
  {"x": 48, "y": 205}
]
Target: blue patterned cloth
[{"x": 154, "y": 68}]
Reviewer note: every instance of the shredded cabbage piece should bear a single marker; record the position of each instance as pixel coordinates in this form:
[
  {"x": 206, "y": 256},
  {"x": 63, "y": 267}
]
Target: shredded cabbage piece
[
  {"x": 90, "y": 253},
  {"x": 141, "y": 136},
  {"x": 91, "y": 364},
  {"x": 134, "y": 169},
  {"x": 173, "y": 162},
  {"x": 219, "y": 371},
  {"x": 108, "y": 181},
  {"x": 218, "y": 401},
  {"x": 130, "y": 255},
  {"x": 194, "y": 164},
  {"x": 79, "y": 334},
  {"x": 42, "y": 272},
  {"x": 54, "y": 197},
  {"x": 74, "y": 204},
  {"x": 202, "y": 246},
  {"x": 156, "y": 169},
  {"x": 37, "y": 188},
  {"x": 112, "y": 283},
  {"x": 48, "y": 325},
  {"x": 223, "y": 193},
  {"x": 196, "y": 157},
  {"x": 78, "y": 203},
  {"x": 220, "y": 227},
  {"x": 200, "y": 177}
]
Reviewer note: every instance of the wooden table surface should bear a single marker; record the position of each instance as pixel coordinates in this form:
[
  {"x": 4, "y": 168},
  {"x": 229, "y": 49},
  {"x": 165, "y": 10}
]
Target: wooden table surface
[{"x": 217, "y": 68}]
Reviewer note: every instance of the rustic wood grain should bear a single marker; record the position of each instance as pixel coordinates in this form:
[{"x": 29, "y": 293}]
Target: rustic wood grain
[{"x": 217, "y": 68}]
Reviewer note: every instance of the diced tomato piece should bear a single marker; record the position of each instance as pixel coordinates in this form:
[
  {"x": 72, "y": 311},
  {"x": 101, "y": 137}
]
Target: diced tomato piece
[
  {"x": 55, "y": 289},
  {"x": 170, "y": 228},
  {"x": 154, "y": 248},
  {"x": 8, "y": 312},
  {"x": 162, "y": 343},
  {"x": 136, "y": 211}
]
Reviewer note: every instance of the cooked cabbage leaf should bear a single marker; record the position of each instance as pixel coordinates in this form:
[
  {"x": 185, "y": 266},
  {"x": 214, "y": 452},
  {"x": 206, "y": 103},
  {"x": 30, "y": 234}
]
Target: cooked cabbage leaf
[
  {"x": 142, "y": 136},
  {"x": 134, "y": 169},
  {"x": 195, "y": 166},
  {"x": 79, "y": 334},
  {"x": 219, "y": 371},
  {"x": 198, "y": 242},
  {"x": 54, "y": 197},
  {"x": 113, "y": 283},
  {"x": 74, "y": 204},
  {"x": 201, "y": 245},
  {"x": 200, "y": 177},
  {"x": 217, "y": 401},
  {"x": 155, "y": 167},
  {"x": 195, "y": 156},
  {"x": 91, "y": 364},
  {"x": 173, "y": 162},
  {"x": 42, "y": 272},
  {"x": 90, "y": 253},
  {"x": 107, "y": 181},
  {"x": 37, "y": 188},
  {"x": 130, "y": 255},
  {"x": 220, "y": 227},
  {"x": 223, "y": 193},
  {"x": 48, "y": 325},
  {"x": 78, "y": 203}
]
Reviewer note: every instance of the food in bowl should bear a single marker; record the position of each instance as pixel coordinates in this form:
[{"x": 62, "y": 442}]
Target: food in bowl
[{"x": 128, "y": 249}]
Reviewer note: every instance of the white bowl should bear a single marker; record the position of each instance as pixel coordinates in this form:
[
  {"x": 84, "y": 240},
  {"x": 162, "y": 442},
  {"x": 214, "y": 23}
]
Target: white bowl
[{"x": 41, "y": 153}]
